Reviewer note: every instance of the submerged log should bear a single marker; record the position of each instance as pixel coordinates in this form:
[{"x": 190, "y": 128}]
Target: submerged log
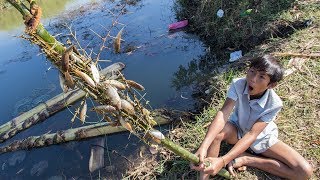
[
  {"x": 50, "y": 107},
  {"x": 96, "y": 160}
]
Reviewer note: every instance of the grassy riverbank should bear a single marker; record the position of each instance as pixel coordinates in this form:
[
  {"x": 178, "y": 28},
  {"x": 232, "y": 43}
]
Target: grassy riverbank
[{"x": 298, "y": 121}]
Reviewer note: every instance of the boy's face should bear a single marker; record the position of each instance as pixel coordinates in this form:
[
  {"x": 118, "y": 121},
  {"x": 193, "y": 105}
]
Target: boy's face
[{"x": 258, "y": 82}]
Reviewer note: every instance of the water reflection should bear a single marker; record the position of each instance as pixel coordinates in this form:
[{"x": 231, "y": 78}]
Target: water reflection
[{"x": 10, "y": 19}]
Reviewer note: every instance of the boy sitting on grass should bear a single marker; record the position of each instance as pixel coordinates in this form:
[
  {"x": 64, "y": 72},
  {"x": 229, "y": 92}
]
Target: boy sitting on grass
[{"x": 251, "y": 127}]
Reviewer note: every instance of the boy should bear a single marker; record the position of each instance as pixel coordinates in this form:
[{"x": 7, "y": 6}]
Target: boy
[{"x": 251, "y": 126}]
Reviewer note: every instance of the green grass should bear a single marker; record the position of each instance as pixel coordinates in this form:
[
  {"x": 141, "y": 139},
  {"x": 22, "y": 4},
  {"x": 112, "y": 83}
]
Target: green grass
[{"x": 298, "y": 122}]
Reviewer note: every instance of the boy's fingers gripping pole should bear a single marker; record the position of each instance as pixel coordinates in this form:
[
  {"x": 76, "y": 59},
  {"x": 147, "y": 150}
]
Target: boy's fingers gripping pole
[{"x": 182, "y": 152}]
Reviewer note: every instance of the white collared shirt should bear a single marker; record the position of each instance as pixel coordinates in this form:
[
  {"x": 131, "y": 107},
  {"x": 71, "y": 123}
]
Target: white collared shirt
[{"x": 247, "y": 112}]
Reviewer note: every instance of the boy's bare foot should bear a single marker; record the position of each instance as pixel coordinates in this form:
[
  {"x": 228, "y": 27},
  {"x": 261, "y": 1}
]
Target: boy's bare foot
[{"x": 238, "y": 163}]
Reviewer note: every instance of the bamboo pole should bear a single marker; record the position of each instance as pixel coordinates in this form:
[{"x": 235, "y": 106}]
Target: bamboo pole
[
  {"x": 79, "y": 133},
  {"x": 159, "y": 138},
  {"x": 40, "y": 30},
  {"x": 50, "y": 107},
  {"x": 185, "y": 154}
]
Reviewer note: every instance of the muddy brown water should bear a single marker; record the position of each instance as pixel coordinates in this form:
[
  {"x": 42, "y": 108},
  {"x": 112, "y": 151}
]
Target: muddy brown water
[{"x": 151, "y": 55}]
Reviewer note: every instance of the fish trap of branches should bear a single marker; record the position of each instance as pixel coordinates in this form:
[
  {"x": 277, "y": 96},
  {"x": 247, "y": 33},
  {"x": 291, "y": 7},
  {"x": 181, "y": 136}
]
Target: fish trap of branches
[{"x": 119, "y": 101}]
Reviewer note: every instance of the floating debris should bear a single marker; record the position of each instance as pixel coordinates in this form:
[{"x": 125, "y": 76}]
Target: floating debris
[
  {"x": 220, "y": 13},
  {"x": 178, "y": 25},
  {"x": 96, "y": 160},
  {"x": 236, "y": 55}
]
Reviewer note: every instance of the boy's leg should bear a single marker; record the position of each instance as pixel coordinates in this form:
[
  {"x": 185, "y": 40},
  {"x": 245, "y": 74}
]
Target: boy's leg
[
  {"x": 229, "y": 134},
  {"x": 281, "y": 160}
]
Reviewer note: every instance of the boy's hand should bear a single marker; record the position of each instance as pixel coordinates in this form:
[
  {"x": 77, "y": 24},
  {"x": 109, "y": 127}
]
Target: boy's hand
[
  {"x": 201, "y": 153},
  {"x": 215, "y": 165}
]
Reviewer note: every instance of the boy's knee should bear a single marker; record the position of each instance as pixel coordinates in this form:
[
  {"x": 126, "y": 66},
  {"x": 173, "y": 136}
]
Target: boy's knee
[{"x": 220, "y": 137}]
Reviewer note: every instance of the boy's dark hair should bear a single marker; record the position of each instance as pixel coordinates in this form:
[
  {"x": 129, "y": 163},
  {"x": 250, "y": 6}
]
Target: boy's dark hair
[{"x": 270, "y": 65}]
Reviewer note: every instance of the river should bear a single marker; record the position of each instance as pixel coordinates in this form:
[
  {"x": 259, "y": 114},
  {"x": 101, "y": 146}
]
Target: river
[{"x": 151, "y": 54}]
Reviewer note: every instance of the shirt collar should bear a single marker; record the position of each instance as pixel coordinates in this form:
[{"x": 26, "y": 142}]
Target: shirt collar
[{"x": 262, "y": 101}]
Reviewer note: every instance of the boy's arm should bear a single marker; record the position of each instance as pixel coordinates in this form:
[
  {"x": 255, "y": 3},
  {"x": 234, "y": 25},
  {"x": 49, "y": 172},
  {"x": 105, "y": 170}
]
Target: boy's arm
[
  {"x": 217, "y": 125},
  {"x": 244, "y": 143}
]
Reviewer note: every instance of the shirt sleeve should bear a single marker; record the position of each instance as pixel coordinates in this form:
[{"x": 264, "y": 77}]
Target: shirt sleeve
[
  {"x": 232, "y": 93},
  {"x": 270, "y": 115}
]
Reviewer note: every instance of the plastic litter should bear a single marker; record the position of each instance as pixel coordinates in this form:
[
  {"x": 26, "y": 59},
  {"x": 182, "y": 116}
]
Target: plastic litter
[
  {"x": 220, "y": 13},
  {"x": 246, "y": 13},
  {"x": 178, "y": 25},
  {"x": 236, "y": 55}
]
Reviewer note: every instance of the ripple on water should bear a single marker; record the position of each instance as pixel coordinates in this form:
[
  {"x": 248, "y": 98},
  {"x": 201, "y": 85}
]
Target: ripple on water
[
  {"x": 2, "y": 71},
  {"x": 58, "y": 177},
  {"x": 17, "y": 158},
  {"x": 39, "y": 168},
  {"x": 38, "y": 96}
]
